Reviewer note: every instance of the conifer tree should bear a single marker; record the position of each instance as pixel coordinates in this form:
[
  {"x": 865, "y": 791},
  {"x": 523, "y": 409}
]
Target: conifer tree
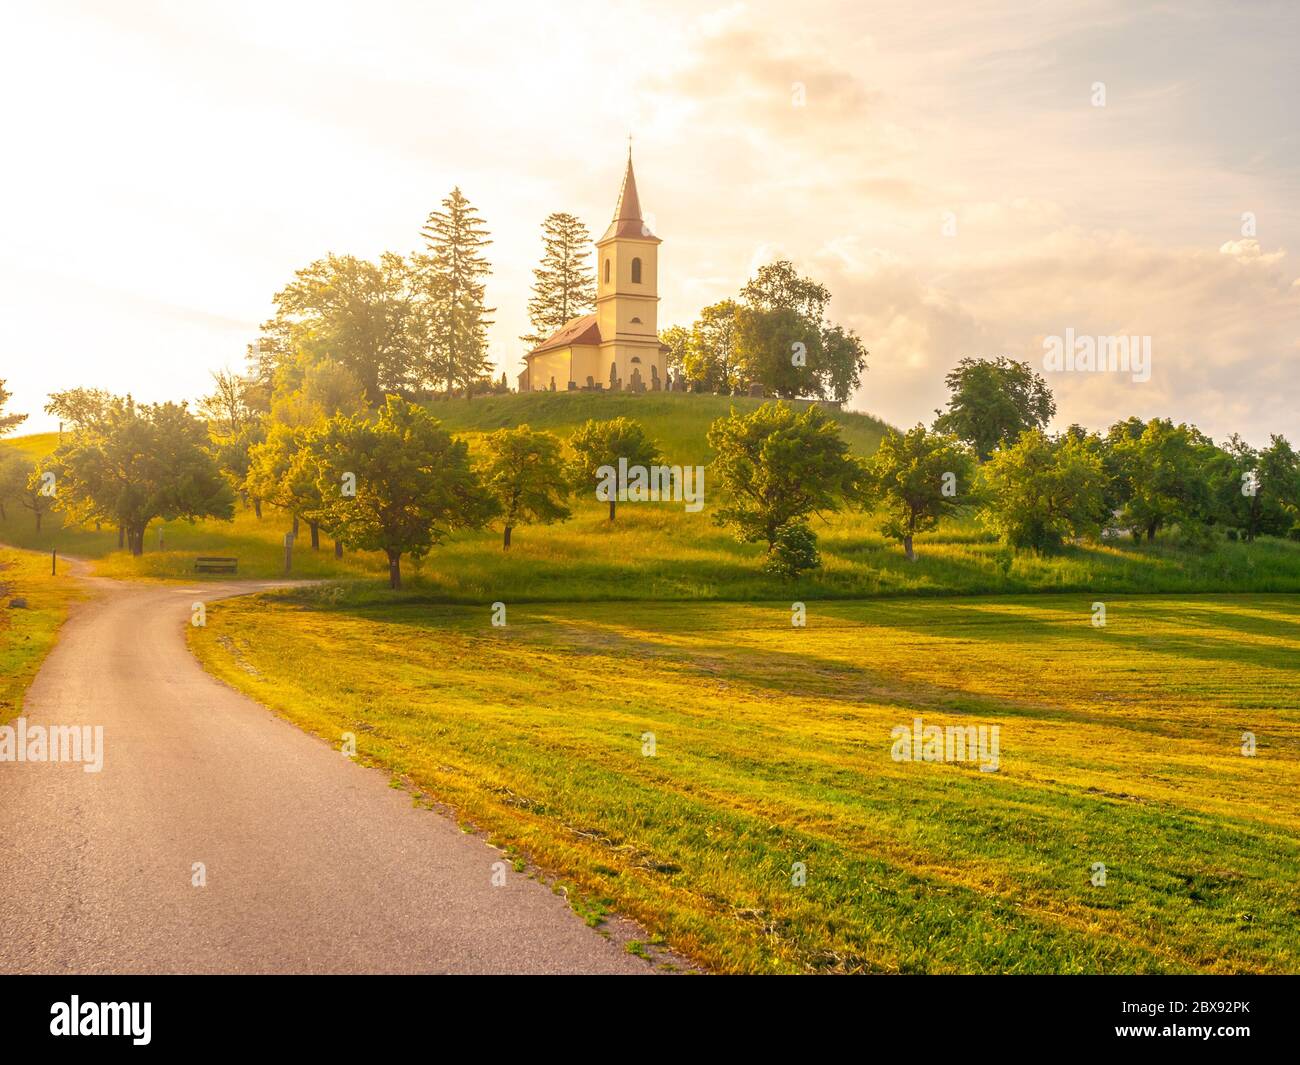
[
  {"x": 564, "y": 286},
  {"x": 452, "y": 273}
]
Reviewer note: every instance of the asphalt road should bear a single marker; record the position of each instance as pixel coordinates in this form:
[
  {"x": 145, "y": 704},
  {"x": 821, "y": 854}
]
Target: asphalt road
[{"x": 313, "y": 864}]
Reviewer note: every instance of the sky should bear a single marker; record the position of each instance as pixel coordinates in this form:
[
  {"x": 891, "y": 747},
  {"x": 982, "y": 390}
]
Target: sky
[{"x": 966, "y": 179}]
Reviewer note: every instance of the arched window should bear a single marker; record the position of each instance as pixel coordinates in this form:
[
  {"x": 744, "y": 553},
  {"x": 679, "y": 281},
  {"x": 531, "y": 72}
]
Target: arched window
[
  {"x": 607, "y": 271},
  {"x": 636, "y": 358},
  {"x": 636, "y": 321},
  {"x": 636, "y": 271}
]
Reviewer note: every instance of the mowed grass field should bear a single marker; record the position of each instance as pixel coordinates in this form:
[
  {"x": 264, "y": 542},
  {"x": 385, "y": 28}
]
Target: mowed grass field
[
  {"x": 27, "y": 634},
  {"x": 1119, "y": 745}
]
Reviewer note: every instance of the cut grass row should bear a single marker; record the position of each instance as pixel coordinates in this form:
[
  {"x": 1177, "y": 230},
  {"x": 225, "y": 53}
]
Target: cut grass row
[{"x": 1119, "y": 745}]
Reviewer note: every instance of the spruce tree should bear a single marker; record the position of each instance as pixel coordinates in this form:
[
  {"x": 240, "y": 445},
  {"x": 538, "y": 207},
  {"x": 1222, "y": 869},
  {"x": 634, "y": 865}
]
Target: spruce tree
[
  {"x": 452, "y": 275},
  {"x": 565, "y": 287}
]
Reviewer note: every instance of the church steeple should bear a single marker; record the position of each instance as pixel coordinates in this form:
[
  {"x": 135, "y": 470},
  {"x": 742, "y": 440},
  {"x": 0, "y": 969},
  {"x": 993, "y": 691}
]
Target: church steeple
[
  {"x": 627, "y": 215},
  {"x": 627, "y": 288}
]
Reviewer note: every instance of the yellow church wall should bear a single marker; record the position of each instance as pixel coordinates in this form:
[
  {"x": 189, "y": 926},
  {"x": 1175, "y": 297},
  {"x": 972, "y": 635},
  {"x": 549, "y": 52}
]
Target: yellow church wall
[
  {"x": 547, "y": 364},
  {"x": 586, "y": 360},
  {"x": 623, "y": 354}
]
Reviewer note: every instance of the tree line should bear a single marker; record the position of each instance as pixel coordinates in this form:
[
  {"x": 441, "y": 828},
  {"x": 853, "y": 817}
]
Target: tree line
[
  {"x": 989, "y": 452},
  {"x": 394, "y": 480}
]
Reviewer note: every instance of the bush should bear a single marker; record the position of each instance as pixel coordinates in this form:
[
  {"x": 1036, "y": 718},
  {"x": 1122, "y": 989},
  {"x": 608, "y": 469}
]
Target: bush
[{"x": 793, "y": 551}]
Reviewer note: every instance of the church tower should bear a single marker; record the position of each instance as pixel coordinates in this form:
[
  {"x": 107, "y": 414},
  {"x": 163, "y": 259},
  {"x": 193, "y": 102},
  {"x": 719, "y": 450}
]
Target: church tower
[
  {"x": 624, "y": 331},
  {"x": 627, "y": 290}
]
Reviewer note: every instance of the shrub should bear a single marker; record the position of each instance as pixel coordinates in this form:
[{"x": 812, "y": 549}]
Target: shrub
[{"x": 793, "y": 551}]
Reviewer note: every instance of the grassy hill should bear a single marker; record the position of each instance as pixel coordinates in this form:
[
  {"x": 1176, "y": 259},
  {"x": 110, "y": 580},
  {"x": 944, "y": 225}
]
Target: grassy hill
[
  {"x": 658, "y": 550},
  {"x": 678, "y": 422}
]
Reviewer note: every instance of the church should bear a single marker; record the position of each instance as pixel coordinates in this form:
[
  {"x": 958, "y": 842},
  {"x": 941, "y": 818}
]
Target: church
[{"x": 623, "y": 334}]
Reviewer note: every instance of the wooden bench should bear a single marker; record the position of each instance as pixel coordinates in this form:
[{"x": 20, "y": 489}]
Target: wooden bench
[{"x": 211, "y": 564}]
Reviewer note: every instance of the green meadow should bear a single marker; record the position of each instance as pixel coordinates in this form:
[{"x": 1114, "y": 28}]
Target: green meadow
[
  {"x": 1119, "y": 745},
  {"x": 658, "y": 551}
]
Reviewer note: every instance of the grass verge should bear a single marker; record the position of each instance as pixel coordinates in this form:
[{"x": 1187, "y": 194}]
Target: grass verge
[{"x": 26, "y": 635}]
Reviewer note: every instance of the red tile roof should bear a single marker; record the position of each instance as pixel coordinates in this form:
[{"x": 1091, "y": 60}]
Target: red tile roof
[{"x": 582, "y": 330}]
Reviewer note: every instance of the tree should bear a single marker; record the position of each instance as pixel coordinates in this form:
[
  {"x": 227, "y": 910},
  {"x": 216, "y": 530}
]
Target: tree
[
  {"x": 8, "y": 422},
  {"x": 778, "y": 286},
  {"x": 14, "y": 471},
  {"x": 281, "y": 471},
  {"x": 709, "y": 349},
  {"x": 779, "y": 349},
  {"x": 844, "y": 359},
  {"x": 79, "y": 408},
  {"x": 776, "y": 468},
  {"x": 1165, "y": 474},
  {"x": 524, "y": 472},
  {"x": 36, "y": 495},
  {"x": 358, "y": 313},
  {"x": 141, "y": 462},
  {"x": 451, "y": 274},
  {"x": 993, "y": 401},
  {"x": 919, "y": 476},
  {"x": 413, "y": 482},
  {"x": 675, "y": 338},
  {"x": 1041, "y": 490},
  {"x": 564, "y": 287},
  {"x": 226, "y": 408},
  {"x": 234, "y": 427},
  {"x": 1279, "y": 484},
  {"x": 1256, "y": 492},
  {"x": 598, "y": 445},
  {"x": 310, "y": 389},
  {"x": 782, "y": 340}
]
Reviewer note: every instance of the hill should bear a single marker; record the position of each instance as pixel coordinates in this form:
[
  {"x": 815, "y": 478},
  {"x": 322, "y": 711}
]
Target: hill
[
  {"x": 658, "y": 551},
  {"x": 678, "y": 422}
]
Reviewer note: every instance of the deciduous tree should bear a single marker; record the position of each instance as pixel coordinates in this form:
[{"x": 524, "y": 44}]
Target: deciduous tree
[
  {"x": 413, "y": 482},
  {"x": 993, "y": 401},
  {"x": 1039, "y": 491},
  {"x": 919, "y": 476},
  {"x": 524, "y": 472},
  {"x": 776, "y": 467},
  {"x": 141, "y": 462},
  {"x": 598, "y": 444}
]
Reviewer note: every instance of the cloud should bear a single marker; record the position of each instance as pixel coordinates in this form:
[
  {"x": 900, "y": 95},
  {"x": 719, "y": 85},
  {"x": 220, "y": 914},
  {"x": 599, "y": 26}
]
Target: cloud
[{"x": 1222, "y": 326}]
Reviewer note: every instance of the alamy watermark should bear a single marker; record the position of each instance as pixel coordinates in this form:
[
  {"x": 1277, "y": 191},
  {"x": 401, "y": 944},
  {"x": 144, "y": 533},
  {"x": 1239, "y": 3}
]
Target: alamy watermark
[
  {"x": 653, "y": 484},
  {"x": 952, "y": 743},
  {"x": 1089, "y": 354},
  {"x": 21, "y": 742}
]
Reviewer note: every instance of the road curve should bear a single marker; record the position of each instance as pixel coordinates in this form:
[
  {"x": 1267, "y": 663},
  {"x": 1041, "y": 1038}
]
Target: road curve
[{"x": 313, "y": 864}]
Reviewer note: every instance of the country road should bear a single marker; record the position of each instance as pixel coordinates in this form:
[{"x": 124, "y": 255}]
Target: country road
[{"x": 313, "y": 864}]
